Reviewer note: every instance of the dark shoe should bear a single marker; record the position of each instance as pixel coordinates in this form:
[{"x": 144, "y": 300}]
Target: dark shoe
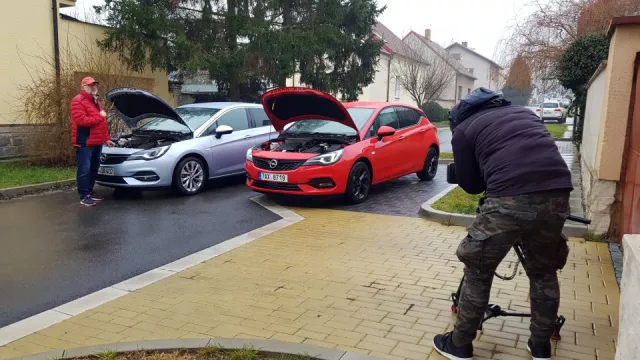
[
  {"x": 87, "y": 201},
  {"x": 96, "y": 197},
  {"x": 444, "y": 345},
  {"x": 539, "y": 351}
]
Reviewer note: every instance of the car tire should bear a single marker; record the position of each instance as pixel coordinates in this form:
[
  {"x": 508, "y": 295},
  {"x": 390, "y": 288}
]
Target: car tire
[
  {"x": 430, "y": 167},
  {"x": 359, "y": 183},
  {"x": 189, "y": 176}
]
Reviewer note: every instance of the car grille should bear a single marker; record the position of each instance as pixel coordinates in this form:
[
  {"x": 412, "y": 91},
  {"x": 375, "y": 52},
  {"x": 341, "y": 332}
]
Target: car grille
[
  {"x": 113, "y": 159},
  {"x": 111, "y": 179},
  {"x": 275, "y": 185},
  {"x": 283, "y": 165}
]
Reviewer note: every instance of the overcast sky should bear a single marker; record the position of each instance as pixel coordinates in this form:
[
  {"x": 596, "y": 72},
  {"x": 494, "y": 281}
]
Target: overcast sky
[{"x": 482, "y": 23}]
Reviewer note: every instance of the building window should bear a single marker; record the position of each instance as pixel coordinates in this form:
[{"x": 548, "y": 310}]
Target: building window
[
  {"x": 398, "y": 87},
  {"x": 470, "y": 71},
  {"x": 455, "y": 56},
  {"x": 459, "y": 92},
  {"x": 468, "y": 91}
]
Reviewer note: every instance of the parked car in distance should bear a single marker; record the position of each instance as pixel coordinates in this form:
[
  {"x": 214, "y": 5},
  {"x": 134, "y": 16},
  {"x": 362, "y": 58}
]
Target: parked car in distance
[
  {"x": 182, "y": 147},
  {"x": 553, "y": 110},
  {"x": 331, "y": 148}
]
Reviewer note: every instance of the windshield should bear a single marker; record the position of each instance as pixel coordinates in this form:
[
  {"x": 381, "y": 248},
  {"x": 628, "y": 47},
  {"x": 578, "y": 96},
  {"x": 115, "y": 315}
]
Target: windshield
[
  {"x": 359, "y": 116},
  {"x": 550, "y": 105},
  {"x": 195, "y": 117}
]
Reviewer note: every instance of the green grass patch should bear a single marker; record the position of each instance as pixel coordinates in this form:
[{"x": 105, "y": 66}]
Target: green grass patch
[
  {"x": 20, "y": 173},
  {"x": 446, "y": 156},
  {"x": 601, "y": 238},
  {"x": 243, "y": 354},
  {"x": 459, "y": 202},
  {"x": 556, "y": 130}
]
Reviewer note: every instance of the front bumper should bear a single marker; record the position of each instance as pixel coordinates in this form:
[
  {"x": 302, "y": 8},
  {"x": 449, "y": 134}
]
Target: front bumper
[
  {"x": 137, "y": 174},
  {"x": 305, "y": 180}
]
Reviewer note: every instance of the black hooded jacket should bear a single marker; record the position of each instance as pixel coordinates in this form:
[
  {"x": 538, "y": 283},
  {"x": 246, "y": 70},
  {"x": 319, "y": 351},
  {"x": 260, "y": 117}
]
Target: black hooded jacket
[{"x": 504, "y": 149}]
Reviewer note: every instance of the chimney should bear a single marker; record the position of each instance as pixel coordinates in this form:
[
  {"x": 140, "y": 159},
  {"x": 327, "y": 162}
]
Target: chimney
[
  {"x": 427, "y": 34},
  {"x": 465, "y": 44}
]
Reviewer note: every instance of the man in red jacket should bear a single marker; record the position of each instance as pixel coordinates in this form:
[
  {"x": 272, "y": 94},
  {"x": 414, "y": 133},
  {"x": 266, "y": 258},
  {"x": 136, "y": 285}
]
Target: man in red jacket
[{"x": 88, "y": 134}]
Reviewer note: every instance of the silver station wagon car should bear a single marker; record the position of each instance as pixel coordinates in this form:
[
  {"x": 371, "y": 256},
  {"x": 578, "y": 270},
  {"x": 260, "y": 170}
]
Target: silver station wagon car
[{"x": 181, "y": 147}]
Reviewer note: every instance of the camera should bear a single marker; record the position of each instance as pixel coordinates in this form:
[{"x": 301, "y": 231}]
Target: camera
[{"x": 451, "y": 174}]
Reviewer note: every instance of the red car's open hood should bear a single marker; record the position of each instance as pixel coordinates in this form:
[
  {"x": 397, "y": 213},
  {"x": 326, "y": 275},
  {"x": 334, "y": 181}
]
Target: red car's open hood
[{"x": 290, "y": 104}]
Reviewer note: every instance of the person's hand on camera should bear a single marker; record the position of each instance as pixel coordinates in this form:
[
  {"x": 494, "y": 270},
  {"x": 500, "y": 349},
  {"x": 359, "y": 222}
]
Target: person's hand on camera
[
  {"x": 103, "y": 113},
  {"x": 110, "y": 143}
]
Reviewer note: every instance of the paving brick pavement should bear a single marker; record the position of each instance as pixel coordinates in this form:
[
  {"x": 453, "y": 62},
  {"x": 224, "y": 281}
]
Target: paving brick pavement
[{"x": 372, "y": 284}]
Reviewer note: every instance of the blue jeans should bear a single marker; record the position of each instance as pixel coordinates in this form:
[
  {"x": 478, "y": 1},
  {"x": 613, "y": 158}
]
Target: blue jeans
[{"x": 88, "y": 159}]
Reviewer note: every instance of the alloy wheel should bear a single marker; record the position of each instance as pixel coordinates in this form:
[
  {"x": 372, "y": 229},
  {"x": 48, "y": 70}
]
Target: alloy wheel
[
  {"x": 192, "y": 176},
  {"x": 433, "y": 164},
  {"x": 361, "y": 182}
]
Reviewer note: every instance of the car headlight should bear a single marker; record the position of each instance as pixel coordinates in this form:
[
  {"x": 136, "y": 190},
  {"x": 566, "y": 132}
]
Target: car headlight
[
  {"x": 249, "y": 155},
  {"x": 325, "y": 159},
  {"x": 150, "y": 154}
]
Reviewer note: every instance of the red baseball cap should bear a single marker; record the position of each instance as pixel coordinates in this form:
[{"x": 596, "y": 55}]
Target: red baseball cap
[{"x": 88, "y": 81}]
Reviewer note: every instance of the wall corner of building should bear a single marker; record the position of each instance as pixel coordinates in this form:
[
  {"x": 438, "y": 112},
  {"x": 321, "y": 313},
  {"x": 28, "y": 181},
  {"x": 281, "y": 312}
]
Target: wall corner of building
[{"x": 598, "y": 197}]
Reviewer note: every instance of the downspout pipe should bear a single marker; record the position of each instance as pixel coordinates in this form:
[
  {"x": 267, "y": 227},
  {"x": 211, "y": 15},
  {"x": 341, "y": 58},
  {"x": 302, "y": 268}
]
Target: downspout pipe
[
  {"x": 56, "y": 53},
  {"x": 389, "y": 76}
]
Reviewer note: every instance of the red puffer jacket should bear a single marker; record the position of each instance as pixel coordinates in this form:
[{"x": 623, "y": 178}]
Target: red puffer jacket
[{"x": 88, "y": 127}]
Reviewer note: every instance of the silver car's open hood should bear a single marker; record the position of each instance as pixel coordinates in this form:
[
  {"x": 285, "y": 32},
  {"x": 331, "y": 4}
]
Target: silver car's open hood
[{"x": 133, "y": 105}]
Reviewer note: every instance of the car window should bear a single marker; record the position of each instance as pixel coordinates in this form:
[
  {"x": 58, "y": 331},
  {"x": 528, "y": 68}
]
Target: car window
[
  {"x": 236, "y": 118},
  {"x": 193, "y": 116},
  {"x": 407, "y": 117},
  {"x": 259, "y": 117},
  {"x": 388, "y": 117},
  {"x": 360, "y": 116},
  {"x": 550, "y": 105}
]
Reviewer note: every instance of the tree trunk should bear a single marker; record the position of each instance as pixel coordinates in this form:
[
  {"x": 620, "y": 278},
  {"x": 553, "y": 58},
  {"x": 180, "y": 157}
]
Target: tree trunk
[
  {"x": 232, "y": 45},
  {"x": 287, "y": 21}
]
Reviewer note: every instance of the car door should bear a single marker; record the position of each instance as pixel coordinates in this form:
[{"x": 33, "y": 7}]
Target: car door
[
  {"x": 262, "y": 125},
  {"x": 386, "y": 153},
  {"x": 228, "y": 153},
  {"x": 412, "y": 139}
]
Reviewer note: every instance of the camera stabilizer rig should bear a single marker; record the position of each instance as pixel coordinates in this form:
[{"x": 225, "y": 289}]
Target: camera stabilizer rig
[{"x": 494, "y": 310}]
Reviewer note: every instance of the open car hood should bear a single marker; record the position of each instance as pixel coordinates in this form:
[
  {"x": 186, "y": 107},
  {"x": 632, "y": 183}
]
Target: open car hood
[
  {"x": 290, "y": 104},
  {"x": 133, "y": 105}
]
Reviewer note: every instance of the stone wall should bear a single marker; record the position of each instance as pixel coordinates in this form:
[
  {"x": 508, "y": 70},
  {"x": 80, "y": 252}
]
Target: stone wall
[
  {"x": 628, "y": 347},
  {"x": 598, "y": 197},
  {"x": 13, "y": 140}
]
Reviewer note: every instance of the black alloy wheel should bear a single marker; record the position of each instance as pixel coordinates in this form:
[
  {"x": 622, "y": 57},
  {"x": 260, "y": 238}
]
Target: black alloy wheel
[{"x": 359, "y": 183}]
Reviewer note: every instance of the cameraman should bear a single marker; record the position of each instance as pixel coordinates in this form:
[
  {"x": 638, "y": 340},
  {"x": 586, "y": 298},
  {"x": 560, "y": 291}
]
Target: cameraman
[{"x": 505, "y": 151}]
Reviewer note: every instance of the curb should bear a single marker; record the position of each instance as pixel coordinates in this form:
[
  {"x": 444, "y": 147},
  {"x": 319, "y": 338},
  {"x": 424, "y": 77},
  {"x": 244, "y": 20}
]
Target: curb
[
  {"x": 268, "y": 346},
  {"x": 12, "y": 192},
  {"x": 445, "y": 161},
  {"x": 429, "y": 213}
]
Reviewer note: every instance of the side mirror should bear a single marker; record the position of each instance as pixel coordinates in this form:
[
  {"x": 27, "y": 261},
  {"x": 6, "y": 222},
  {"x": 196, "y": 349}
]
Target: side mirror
[
  {"x": 385, "y": 131},
  {"x": 223, "y": 130}
]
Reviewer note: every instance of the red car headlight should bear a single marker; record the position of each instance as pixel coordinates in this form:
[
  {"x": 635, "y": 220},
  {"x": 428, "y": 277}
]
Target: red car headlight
[{"x": 325, "y": 159}]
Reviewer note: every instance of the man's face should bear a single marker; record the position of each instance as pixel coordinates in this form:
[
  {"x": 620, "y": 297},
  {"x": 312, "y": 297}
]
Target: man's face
[{"x": 91, "y": 88}]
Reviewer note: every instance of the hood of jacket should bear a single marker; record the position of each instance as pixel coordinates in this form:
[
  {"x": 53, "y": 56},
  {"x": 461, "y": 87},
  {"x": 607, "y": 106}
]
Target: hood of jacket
[{"x": 479, "y": 99}]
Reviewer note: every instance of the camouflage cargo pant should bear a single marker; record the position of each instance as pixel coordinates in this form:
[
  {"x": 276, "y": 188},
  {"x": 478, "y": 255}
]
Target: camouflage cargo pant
[{"x": 534, "y": 221}]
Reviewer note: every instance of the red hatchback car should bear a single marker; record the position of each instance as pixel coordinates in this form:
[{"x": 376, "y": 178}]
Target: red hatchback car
[{"x": 326, "y": 147}]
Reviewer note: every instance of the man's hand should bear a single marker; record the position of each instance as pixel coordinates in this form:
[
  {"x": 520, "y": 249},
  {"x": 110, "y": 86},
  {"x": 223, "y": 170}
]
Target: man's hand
[
  {"x": 110, "y": 143},
  {"x": 103, "y": 113}
]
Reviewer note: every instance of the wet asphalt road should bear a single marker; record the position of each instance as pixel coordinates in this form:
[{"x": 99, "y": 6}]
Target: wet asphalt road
[
  {"x": 444, "y": 135},
  {"x": 54, "y": 250}
]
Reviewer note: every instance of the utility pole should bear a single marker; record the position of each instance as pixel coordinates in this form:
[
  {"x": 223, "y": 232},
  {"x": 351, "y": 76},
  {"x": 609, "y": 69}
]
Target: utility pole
[{"x": 56, "y": 55}]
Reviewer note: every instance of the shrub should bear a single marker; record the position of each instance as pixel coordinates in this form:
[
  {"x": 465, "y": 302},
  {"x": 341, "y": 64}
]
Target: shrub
[
  {"x": 435, "y": 112},
  {"x": 42, "y": 104}
]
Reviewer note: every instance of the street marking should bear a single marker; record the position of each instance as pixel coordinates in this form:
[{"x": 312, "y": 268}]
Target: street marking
[{"x": 63, "y": 312}]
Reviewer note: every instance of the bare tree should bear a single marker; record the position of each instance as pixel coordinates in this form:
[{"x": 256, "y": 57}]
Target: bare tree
[{"x": 425, "y": 78}]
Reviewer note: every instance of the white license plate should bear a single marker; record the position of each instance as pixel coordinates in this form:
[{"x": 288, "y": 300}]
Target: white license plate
[
  {"x": 273, "y": 177},
  {"x": 105, "y": 171}
]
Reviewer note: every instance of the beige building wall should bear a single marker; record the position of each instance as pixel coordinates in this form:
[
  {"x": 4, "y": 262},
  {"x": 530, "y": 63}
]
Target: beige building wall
[
  {"x": 605, "y": 131},
  {"x": 377, "y": 91},
  {"x": 78, "y": 37},
  {"x": 625, "y": 44},
  {"x": 25, "y": 30},
  {"x": 26, "y": 37}
]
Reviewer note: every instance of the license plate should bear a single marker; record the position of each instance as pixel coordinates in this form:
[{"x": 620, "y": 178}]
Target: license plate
[
  {"x": 273, "y": 177},
  {"x": 105, "y": 171}
]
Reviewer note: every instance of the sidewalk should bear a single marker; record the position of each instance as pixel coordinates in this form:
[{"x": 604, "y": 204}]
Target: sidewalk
[{"x": 371, "y": 284}]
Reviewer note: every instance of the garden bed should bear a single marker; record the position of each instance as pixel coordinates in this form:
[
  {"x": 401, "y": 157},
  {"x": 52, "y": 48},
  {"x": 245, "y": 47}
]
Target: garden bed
[
  {"x": 206, "y": 353},
  {"x": 458, "y": 202},
  {"x": 557, "y": 130}
]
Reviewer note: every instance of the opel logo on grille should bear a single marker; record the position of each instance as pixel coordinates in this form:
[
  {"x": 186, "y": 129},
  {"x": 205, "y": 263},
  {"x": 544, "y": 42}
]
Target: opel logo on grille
[
  {"x": 103, "y": 158},
  {"x": 273, "y": 163}
]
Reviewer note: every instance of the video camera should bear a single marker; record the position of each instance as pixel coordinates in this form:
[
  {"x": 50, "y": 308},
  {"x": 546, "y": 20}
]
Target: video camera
[{"x": 451, "y": 174}]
